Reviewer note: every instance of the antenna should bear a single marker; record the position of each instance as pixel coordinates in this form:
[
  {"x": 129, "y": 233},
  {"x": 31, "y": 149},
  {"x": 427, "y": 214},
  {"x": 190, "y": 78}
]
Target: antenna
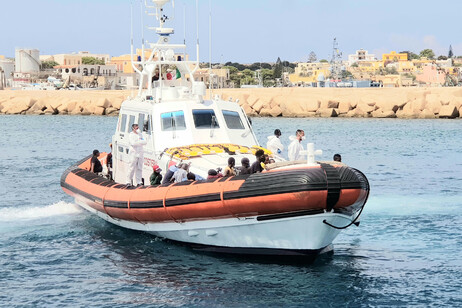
[
  {"x": 135, "y": 69},
  {"x": 142, "y": 32},
  {"x": 210, "y": 50},
  {"x": 197, "y": 39},
  {"x": 336, "y": 61},
  {"x": 184, "y": 23}
]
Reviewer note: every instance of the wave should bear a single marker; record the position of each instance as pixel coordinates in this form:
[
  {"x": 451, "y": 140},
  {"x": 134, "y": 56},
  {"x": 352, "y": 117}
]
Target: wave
[
  {"x": 414, "y": 204},
  {"x": 31, "y": 213}
]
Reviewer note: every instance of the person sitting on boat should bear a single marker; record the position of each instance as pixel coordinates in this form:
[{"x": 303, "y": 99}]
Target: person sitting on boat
[
  {"x": 214, "y": 174},
  {"x": 95, "y": 166},
  {"x": 181, "y": 174},
  {"x": 156, "y": 177},
  {"x": 109, "y": 163},
  {"x": 169, "y": 74},
  {"x": 169, "y": 174},
  {"x": 191, "y": 177},
  {"x": 136, "y": 155},
  {"x": 296, "y": 145},
  {"x": 274, "y": 144},
  {"x": 338, "y": 157},
  {"x": 260, "y": 158},
  {"x": 156, "y": 76},
  {"x": 245, "y": 166},
  {"x": 229, "y": 170}
]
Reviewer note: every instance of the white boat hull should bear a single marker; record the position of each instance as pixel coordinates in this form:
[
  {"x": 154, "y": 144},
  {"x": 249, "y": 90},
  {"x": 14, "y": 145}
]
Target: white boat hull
[{"x": 298, "y": 235}]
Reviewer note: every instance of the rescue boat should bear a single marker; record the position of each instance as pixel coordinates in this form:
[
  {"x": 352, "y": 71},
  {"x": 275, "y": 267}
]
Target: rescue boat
[{"x": 292, "y": 208}]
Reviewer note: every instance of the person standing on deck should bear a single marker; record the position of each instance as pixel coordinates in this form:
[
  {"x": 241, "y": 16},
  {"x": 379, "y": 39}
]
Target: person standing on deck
[
  {"x": 274, "y": 144},
  {"x": 136, "y": 155},
  {"x": 296, "y": 145},
  {"x": 95, "y": 164}
]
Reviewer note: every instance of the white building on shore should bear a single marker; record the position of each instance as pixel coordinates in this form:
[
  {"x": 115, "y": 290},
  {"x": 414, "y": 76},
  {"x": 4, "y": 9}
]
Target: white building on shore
[
  {"x": 360, "y": 55},
  {"x": 6, "y": 72}
]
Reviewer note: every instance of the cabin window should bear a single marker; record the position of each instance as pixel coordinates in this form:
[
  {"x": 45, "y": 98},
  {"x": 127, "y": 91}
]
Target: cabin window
[
  {"x": 144, "y": 121},
  {"x": 232, "y": 119},
  {"x": 205, "y": 118},
  {"x": 130, "y": 123},
  {"x": 141, "y": 117},
  {"x": 173, "y": 120},
  {"x": 123, "y": 123}
]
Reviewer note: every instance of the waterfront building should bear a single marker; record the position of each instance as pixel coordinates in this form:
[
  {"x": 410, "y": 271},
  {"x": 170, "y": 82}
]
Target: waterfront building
[
  {"x": 27, "y": 60},
  {"x": 360, "y": 56},
  {"x": 393, "y": 57},
  {"x": 369, "y": 66},
  {"x": 74, "y": 58},
  {"x": 7, "y": 69},
  {"x": 403, "y": 66},
  {"x": 86, "y": 75},
  {"x": 419, "y": 63},
  {"x": 309, "y": 72},
  {"x": 432, "y": 75},
  {"x": 124, "y": 63},
  {"x": 219, "y": 77}
]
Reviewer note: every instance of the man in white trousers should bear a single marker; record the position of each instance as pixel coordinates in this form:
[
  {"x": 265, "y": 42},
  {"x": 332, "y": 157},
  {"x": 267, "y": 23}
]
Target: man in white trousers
[
  {"x": 135, "y": 167},
  {"x": 296, "y": 145}
]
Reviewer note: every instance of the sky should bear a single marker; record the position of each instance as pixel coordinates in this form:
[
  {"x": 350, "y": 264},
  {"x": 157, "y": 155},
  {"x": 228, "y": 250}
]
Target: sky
[{"x": 242, "y": 31}]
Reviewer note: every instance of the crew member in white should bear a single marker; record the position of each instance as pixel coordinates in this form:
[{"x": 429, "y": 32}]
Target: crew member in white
[
  {"x": 137, "y": 141},
  {"x": 274, "y": 144},
  {"x": 296, "y": 145}
]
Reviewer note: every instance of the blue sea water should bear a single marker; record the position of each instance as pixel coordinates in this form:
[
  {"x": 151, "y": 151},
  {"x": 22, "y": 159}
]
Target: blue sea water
[{"x": 407, "y": 250}]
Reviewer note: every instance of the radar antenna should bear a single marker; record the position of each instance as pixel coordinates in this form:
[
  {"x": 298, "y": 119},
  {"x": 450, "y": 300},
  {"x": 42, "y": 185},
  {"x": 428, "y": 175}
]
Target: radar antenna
[{"x": 336, "y": 61}]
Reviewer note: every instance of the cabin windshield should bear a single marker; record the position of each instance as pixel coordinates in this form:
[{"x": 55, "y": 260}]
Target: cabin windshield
[
  {"x": 205, "y": 118},
  {"x": 232, "y": 119},
  {"x": 173, "y": 120}
]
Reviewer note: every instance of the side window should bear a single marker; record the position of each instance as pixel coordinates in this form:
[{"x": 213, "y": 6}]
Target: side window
[
  {"x": 173, "y": 120},
  {"x": 147, "y": 125},
  {"x": 232, "y": 119},
  {"x": 205, "y": 118},
  {"x": 130, "y": 123},
  {"x": 122, "y": 123},
  {"x": 141, "y": 117}
]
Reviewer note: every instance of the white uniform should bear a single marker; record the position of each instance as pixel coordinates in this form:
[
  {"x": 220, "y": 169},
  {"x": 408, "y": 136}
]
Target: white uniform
[
  {"x": 136, "y": 156},
  {"x": 275, "y": 146},
  {"x": 294, "y": 149}
]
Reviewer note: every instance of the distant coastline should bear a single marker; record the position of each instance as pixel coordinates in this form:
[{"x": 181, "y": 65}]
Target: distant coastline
[{"x": 444, "y": 102}]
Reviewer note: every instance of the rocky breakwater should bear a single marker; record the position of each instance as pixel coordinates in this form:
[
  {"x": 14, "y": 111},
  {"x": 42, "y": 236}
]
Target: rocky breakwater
[
  {"x": 62, "y": 102},
  {"x": 350, "y": 102},
  {"x": 266, "y": 102}
]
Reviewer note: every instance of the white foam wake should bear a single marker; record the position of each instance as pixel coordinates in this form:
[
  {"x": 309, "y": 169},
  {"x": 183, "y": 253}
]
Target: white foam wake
[{"x": 31, "y": 213}]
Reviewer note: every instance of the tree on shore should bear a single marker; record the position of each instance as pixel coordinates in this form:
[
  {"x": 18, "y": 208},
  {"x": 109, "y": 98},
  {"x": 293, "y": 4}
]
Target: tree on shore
[
  {"x": 92, "y": 61},
  {"x": 450, "y": 53},
  {"x": 427, "y": 53},
  {"x": 267, "y": 77},
  {"x": 411, "y": 55},
  {"x": 277, "y": 72},
  {"x": 49, "y": 64}
]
